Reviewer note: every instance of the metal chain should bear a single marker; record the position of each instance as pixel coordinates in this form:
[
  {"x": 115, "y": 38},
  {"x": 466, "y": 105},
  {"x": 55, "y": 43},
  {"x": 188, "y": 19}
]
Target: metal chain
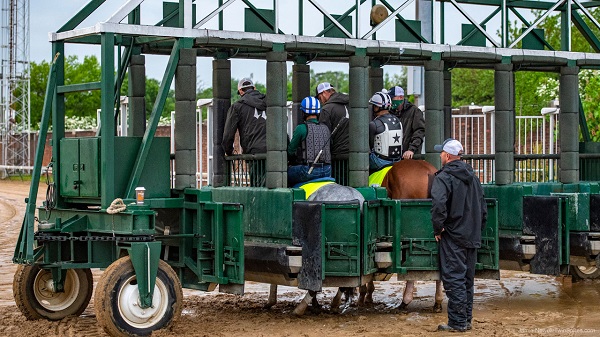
[{"x": 48, "y": 237}]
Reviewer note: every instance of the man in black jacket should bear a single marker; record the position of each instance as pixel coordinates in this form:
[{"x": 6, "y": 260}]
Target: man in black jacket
[
  {"x": 413, "y": 122},
  {"x": 334, "y": 112},
  {"x": 458, "y": 214},
  {"x": 248, "y": 115}
]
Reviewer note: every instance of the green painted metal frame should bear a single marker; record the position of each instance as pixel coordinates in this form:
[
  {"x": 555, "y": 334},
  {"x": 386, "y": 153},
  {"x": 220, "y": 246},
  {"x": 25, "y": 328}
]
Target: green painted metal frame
[
  {"x": 24, "y": 249},
  {"x": 159, "y": 104}
]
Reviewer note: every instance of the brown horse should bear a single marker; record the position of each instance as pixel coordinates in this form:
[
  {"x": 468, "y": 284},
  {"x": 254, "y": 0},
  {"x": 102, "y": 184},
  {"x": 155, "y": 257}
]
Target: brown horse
[{"x": 407, "y": 179}]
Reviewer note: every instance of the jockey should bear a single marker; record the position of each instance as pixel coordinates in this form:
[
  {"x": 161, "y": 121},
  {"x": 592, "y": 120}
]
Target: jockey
[
  {"x": 385, "y": 133},
  {"x": 309, "y": 146}
]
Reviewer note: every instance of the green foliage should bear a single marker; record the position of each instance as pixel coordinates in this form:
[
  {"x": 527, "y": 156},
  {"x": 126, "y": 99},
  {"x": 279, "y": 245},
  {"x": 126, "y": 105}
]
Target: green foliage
[
  {"x": 472, "y": 86},
  {"x": 84, "y": 104},
  {"x": 338, "y": 79},
  {"x": 76, "y": 104}
]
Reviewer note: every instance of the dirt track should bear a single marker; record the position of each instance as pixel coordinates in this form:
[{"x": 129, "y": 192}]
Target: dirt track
[{"x": 519, "y": 304}]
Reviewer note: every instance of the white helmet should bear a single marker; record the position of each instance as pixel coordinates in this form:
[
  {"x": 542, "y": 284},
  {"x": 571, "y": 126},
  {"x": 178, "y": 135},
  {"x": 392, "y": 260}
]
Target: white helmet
[{"x": 381, "y": 99}]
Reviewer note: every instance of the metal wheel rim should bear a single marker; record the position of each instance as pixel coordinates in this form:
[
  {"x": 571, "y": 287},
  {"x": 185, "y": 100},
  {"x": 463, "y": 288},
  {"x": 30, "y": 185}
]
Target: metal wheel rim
[
  {"x": 129, "y": 304},
  {"x": 588, "y": 270},
  {"x": 43, "y": 290}
]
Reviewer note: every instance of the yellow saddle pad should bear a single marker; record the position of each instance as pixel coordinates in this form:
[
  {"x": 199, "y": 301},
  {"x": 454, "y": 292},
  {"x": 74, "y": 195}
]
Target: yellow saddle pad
[
  {"x": 310, "y": 188},
  {"x": 377, "y": 177}
]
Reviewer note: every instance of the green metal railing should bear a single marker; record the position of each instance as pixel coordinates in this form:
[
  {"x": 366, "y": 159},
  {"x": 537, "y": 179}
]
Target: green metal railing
[
  {"x": 248, "y": 170},
  {"x": 339, "y": 169}
]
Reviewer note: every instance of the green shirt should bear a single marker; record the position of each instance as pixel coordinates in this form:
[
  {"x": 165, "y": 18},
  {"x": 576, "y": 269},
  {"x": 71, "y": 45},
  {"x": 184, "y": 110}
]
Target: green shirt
[{"x": 299, "y": 135}]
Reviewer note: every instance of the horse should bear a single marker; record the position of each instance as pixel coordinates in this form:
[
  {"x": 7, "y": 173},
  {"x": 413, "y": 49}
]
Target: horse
[
  {"x": 407, "y": 179},
  {"x": 323, "y": 191}
]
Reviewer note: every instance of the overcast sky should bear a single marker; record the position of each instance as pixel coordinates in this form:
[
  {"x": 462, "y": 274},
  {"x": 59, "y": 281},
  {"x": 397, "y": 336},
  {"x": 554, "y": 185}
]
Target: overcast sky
[{"x": 48, "y": 16}]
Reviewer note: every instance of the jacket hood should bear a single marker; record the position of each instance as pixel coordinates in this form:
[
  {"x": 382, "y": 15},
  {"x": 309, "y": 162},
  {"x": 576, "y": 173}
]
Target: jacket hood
[
  {"x": 339, "y": 98},
  {"x": 460, "y": 170},
  {"x": 254, "y": 99}
]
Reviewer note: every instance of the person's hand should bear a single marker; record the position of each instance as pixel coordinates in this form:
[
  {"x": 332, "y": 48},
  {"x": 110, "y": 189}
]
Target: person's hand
[
  {"x": 408, "y": 155},
  {"x": 439, "y": 237}
]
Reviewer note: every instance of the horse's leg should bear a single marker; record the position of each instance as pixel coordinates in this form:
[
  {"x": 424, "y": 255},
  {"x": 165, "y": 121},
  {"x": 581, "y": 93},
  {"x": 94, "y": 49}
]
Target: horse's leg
[
  {"x": 370, "y": 290},
  {"x": 348, "y": 297},
  {"x": 335, "y": 302},
  {"x": 439, "y": 297},
  {"x": 301, "y": 307},
  {"x": 272, "y": 297},
  {"x": 407, "y": 296},
  {"x": 362, "y": 293}
]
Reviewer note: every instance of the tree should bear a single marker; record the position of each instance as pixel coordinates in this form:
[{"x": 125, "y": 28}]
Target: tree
[{"x": 76, "y": 104}]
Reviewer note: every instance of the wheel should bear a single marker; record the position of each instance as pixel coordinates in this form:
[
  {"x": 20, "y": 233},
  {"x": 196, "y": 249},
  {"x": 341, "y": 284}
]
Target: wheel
[
  {"x": 582, "y": 272},
  {"x": 116, "y": 300},
  {"x": 35, "y": 297}
]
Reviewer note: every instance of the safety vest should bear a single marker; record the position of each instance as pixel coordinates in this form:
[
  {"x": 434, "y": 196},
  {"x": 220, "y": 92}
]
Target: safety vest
[
  {"x": 317, "y": 138},
  {"x": 388, "y": 143}
]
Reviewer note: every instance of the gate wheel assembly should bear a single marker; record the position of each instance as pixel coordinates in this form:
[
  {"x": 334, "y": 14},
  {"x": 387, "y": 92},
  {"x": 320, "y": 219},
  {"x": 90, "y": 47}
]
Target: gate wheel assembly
[
  {"x": 33, "y": 290},
  {"x": 117, "y": 303}
]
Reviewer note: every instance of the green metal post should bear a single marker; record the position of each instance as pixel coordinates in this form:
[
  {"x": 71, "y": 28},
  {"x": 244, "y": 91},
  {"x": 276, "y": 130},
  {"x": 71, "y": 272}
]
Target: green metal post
[
  {"x": 569, "y": 122},
  {"x": 300, "y": 17},
  {"x": 565, "y": 27},
  {"x": 447, "y": 103},
  {"x": 24, "y": 249},
  {"x": 434, "y": 105},
  {"x": 107, "y": 121},
  {"x": 375, "y": 77},
  {"x": 137, "y": 96},
  {"x": 300, "y": 87},
  {"x": 276, "y": 117},
  {"x": 58, "y": 118},
  {"x": 185, "y": 120},
  {"x": 221, "y": 102},
  {"x": 504, "y": 91},
  {"x": 358, "y": 159},
  {"x": 159, "y": 104},
  {"x": 83, "y": 13}
]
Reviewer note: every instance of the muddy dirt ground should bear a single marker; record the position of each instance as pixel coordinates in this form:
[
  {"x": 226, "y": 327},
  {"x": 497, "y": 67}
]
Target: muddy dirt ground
[{"x": 519, "y": 304}]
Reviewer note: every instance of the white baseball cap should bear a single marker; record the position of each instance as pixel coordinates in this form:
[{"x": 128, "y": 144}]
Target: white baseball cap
[
  {"x": 245, "y": 83},
  {"x": 323, "y": 86},
  {"x": 450, "y": 145}
]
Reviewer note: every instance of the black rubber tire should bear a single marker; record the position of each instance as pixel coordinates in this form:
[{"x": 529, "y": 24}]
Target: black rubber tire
[
  {"x": 36, "y": 301},
  {"x": 585, "y": 273},
  {"x": 118, "y": 284}
]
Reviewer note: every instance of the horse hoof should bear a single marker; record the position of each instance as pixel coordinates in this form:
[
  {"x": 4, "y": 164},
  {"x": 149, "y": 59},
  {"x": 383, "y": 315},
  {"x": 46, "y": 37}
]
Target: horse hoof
[
  {"x": 369, "y": 300},
  {"x": 437, "y": 308},
  {"x": 403, "y": 307},
  {"x": 315, "y": 310},
  {"x": 361, "y": 302}
]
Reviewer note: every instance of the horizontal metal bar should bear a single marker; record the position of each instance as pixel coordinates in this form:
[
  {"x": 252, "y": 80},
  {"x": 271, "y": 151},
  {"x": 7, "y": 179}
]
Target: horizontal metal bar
[
  {"x": 247, "y": 157},
  {"x": 210, "y": 38},
  {"x": 78, "y": 87}
]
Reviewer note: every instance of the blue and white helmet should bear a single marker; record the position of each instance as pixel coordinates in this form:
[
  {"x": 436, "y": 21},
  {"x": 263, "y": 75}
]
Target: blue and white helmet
[
  {"x": 381, "y": 99},
  {"x": 310, "y": 105}
]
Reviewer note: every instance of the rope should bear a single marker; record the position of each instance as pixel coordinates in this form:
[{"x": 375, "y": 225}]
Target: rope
[{"x": 117, "y": 206}]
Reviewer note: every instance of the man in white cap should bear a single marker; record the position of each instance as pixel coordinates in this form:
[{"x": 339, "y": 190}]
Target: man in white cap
[
  {"x": 458, "y": 214},
  {"x": 413, "y": 122},
  {"x": 248, "y": 116},
  {"x": 334, "y": 112}
]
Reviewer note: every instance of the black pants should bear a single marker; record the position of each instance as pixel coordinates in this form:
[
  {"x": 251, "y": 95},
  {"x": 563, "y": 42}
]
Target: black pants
[{"x": 457, "y": 268}]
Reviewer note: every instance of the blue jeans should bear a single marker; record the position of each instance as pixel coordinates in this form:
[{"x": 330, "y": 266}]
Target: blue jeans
[
  {"x": 376, "y": 163},
  {"x": 299, "y": 173}
]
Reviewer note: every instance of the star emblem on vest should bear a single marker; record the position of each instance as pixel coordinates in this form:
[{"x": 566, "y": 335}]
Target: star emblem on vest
[{"x": 396, "y": 138}]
